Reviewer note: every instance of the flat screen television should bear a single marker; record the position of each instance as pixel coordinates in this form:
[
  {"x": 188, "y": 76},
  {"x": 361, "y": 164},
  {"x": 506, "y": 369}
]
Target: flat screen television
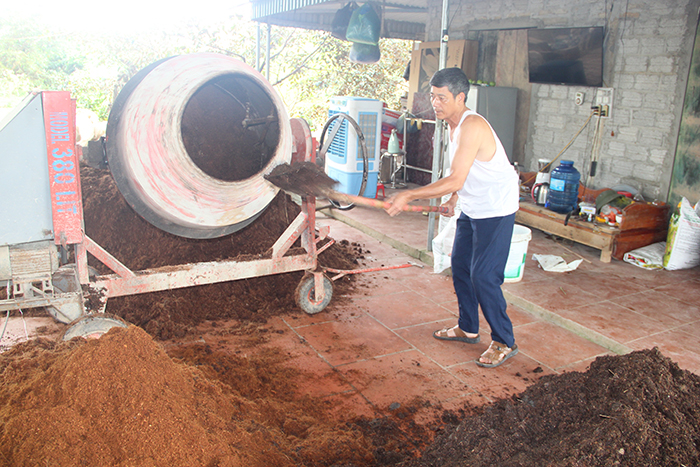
[{"x": 572, "y": 56}]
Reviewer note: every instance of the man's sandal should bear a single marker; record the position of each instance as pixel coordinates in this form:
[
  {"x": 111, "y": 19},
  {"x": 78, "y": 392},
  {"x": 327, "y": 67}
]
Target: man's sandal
[
  {"x": 455, "y": 334},
  {"x": 497, "y": 353}
]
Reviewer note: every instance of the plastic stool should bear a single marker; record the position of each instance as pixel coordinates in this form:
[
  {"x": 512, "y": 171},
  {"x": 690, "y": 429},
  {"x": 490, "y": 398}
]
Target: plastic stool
[{"x": 380, "y": 186}]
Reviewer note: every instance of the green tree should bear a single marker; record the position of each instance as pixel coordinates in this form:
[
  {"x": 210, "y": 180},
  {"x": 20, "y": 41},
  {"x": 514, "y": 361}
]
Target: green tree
[
  {"x": 331, "y": 73},
  {"x": 31, "y": 58},
  {"x": 307, "y": 67}
]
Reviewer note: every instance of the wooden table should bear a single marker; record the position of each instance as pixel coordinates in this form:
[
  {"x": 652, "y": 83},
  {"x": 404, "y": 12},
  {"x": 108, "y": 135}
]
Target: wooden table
[{"x": 642, "y": 224}]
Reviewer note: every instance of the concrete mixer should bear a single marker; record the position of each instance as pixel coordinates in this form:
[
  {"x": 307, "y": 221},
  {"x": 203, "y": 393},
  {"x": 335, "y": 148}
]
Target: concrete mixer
[{"x": 189, "y": 141}]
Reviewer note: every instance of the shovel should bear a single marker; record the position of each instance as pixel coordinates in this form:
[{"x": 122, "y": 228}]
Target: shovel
[{"x": 308, "y": 179}]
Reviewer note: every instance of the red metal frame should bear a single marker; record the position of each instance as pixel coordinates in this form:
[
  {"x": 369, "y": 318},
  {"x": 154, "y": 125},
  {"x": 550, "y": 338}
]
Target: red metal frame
[
  {"x": 127, "y": 282},
  {"x": 64, "y": 173}
]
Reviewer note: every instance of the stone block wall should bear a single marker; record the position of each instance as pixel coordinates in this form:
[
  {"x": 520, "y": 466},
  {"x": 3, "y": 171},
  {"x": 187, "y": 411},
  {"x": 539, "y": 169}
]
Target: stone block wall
[{"x": 647, "y": 54}]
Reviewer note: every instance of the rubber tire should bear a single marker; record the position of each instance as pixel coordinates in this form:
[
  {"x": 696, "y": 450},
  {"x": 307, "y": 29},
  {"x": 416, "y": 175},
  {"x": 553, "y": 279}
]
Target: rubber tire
[{"x": 305, "y": 291}]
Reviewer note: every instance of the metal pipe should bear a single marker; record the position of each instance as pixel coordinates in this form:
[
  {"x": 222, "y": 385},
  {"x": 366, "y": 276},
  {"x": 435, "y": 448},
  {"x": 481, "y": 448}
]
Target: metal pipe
[
  {"x": 267, "y": 53},
  {"x": 437, "y": 142},
  {"x": 421, "y": 169},
  {"x": 257, "y": 49}
]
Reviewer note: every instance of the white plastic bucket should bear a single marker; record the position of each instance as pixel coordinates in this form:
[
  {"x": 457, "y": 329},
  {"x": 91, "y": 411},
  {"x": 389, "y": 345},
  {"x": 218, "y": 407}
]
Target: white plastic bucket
[{"x": 517, "y": 254}]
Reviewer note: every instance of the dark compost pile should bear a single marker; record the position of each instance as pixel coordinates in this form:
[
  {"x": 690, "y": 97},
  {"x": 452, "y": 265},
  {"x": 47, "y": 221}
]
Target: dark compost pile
[
  {"x": 114, "y": 225},
  {"x": 639, "y": 409}
]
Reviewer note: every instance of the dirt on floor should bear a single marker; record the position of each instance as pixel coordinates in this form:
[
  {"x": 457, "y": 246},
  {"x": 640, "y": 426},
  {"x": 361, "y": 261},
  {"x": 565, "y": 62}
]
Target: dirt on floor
[{"x": 140, "y": 396}]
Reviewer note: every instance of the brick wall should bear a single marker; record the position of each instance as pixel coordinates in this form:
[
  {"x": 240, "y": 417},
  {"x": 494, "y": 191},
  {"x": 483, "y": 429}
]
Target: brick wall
[{"x": 646, "y": 60}]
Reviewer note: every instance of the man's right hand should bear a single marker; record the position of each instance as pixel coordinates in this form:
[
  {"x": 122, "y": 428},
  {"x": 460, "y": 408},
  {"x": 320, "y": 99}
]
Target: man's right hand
[{"x": 450, "y": 204}]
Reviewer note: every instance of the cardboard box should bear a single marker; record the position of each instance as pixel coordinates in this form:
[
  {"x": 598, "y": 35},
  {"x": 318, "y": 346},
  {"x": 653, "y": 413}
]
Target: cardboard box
[{"x": 425, "y": 59}]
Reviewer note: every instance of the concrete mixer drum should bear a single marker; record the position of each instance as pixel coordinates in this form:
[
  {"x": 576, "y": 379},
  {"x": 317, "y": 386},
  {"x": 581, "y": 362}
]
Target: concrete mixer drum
[{"x": 189, "y": 139}]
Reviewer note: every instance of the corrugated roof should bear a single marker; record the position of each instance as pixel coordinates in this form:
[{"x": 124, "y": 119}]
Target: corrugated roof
[{"x": 405, "y": 19}]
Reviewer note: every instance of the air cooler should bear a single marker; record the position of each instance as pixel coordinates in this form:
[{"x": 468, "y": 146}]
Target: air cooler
[{"x": 344, "y": 157}]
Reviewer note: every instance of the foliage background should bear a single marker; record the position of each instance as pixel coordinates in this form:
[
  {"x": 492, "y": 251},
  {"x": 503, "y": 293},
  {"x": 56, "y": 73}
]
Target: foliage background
[{"x": 306, "y": 67}]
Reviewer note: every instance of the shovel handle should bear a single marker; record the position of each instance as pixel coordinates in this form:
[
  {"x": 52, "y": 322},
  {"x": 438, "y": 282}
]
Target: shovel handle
[{"x": 375, "y": 203}]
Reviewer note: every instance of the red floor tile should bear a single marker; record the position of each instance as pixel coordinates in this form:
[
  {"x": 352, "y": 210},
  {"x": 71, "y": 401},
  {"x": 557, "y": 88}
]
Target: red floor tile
[
  {"x": 436, "y": 287},
  {"x": 661, "y": 306},
  {"x": 553, "y": 346},
  {"x": 453, "y": 308},
  {"x": 340, "y": 309},
  {"x": 607, "y": 287},
  {"x": 614, "y": 321},
  {"x": 349, "y": 405},
  {"x": 687, "y": 291},
  {"x": 518, "y": 316},
  {"x": 512, "y": 377},
  {"x": 552, "y": 295},
  {"x": 411, "y": 376},
  {"x": 691, "y": 328},
  {"x": 342, "y": 342},
  {"x": 580, "y": 366},
  {"x": 681, "y": 347},
  {"x": 377, "y": 284},
  {"x": 402, "y": 309},
  {"x": 444, "y": 353}
]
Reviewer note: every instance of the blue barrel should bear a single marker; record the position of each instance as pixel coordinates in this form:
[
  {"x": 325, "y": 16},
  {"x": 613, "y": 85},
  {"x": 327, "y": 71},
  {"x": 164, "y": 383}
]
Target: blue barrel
[{"x": 563, "y": 188}]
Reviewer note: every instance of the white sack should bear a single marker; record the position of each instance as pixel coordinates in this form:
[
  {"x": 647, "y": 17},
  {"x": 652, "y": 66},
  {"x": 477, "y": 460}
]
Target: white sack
[
  {"x": 683, "y": 241},
  {"x": 647, "y": 257}
]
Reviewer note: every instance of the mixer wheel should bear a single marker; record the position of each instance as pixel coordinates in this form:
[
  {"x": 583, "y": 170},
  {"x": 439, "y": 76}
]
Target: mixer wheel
[
  {"x": 93, "y": 326},
  {"x": 306, "y": 298}
]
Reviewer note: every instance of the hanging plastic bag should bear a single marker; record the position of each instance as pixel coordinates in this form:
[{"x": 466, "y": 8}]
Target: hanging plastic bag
[
  {"x": 364, "y": 53},
  {"x": 442, "y": 246},
  {"x": 442, "y": 243},
  {"x": 364, "y": 26},
  {"x": 339, "y": 25}
]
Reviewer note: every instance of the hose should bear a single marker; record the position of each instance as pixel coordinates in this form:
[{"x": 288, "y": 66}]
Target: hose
[{"x": 321, "y": 159}]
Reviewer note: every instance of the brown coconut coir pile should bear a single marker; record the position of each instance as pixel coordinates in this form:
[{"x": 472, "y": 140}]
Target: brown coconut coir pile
[{"x": 122, "y": 401}]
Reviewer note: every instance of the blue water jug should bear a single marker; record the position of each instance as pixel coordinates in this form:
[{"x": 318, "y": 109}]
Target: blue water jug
[{"x": 563, "y": 188}]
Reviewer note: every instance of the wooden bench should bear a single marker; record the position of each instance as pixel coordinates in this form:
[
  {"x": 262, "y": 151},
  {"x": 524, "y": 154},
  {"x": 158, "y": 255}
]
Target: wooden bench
[{"x": 642, "y": 224}]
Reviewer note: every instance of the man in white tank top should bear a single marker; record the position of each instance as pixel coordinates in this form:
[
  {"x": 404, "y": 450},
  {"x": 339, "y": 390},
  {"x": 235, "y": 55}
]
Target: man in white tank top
[{"x": 485, "y": 184}]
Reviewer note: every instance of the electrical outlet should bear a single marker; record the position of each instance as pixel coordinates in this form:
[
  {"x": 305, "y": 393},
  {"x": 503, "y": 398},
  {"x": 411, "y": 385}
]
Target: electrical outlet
[
  {"x": 578, "y": 100},
  {"x": 604, "y": 99}
]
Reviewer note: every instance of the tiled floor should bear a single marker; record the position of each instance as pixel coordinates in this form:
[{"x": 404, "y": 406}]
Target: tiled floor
[
  {"x": 374, "y": 349},
  {"x": 562, "y": 321}
]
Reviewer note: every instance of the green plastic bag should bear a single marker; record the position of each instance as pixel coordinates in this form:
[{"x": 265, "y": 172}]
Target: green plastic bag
[
  {"x": 364, "y": 26},
  {"x": 339, "y": 25},
  {"x": 364, "y": 53}
]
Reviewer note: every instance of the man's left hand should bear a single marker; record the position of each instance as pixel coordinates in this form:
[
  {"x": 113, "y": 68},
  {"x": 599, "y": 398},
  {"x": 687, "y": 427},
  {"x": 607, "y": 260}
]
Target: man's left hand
[{"x": 398, "y": 202}]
